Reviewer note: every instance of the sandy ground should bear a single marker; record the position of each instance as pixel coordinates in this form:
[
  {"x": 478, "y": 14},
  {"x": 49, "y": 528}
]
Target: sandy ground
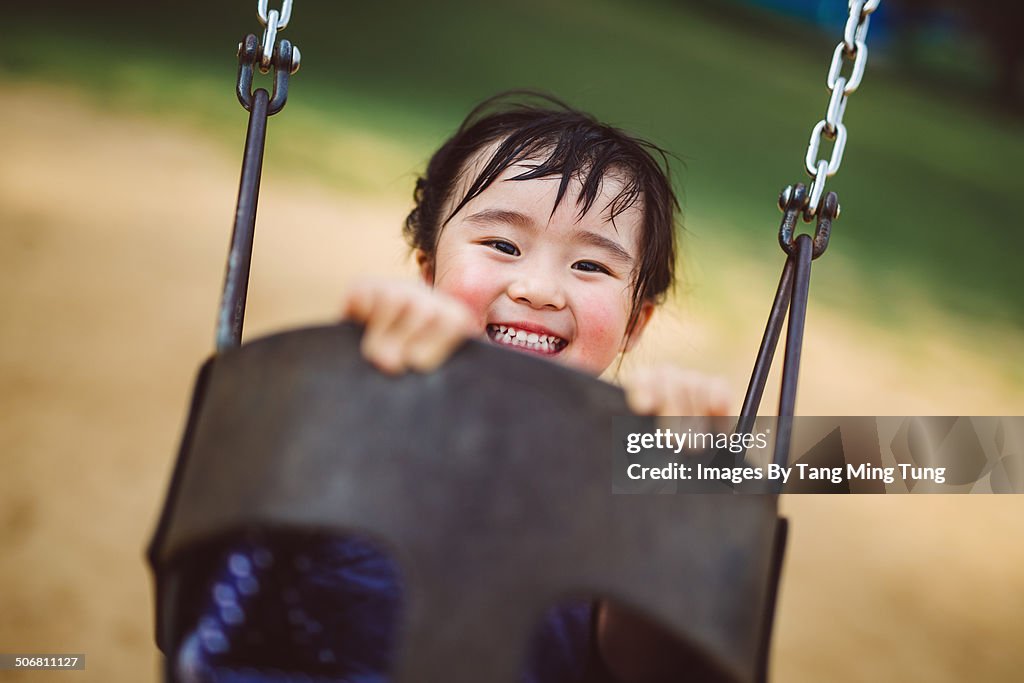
[{"x": 113, "y": 231}]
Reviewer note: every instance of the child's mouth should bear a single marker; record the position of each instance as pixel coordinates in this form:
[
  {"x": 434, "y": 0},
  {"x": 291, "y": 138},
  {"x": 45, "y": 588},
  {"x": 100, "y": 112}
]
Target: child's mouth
[{"x": 545, "y": 344}]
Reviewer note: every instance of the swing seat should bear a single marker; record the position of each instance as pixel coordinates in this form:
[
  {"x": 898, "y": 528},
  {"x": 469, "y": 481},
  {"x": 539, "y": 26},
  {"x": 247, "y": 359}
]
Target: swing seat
[{"x": 490, "y": 484}]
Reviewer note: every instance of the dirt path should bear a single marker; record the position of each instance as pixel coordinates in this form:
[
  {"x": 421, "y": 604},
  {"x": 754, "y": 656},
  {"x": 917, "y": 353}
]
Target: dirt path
[{"x": 112, "y": 238}]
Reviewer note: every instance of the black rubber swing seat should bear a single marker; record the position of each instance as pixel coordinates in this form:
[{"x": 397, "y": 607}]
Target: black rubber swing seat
[{"x": 490, "y": 483}]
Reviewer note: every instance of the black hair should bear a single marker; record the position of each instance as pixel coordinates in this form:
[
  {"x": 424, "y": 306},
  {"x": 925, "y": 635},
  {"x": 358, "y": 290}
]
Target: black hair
[{"x": 554, "y": 139}]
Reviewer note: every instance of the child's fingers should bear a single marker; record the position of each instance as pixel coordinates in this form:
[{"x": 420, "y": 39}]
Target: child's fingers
[
  {"x": 643, "y": 400},
  {"x": 439, "y": 335},
  {"x": 666, "y": 390},
  {"x": 426, "y": 357},
  {"x": 384, "y": 308},
  {"x": 382, "y": 342},
  {"x": 700, "y": 395},
  {"x": 680, "y": 386},
  {"x": 644, "y": 393},
  {"x": 358, "y": 304},
  {"x": 719, "y": 398},
  {"x": 407, "y": 326},
  {"x": 421, "y": 333},
  {"x": 669, "y": 390}
]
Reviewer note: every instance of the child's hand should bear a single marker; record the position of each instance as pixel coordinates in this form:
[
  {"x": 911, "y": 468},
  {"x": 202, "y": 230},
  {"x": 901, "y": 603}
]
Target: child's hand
[
  {"x": 671, "y": 390},
  {"x": 408, "y": 325}
]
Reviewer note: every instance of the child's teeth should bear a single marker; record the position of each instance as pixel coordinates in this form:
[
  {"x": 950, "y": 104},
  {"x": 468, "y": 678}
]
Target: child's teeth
[{"x": 530, "y": 340}]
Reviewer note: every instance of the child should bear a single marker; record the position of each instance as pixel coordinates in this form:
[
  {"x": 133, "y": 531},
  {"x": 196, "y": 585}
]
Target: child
[{"x": 538, "y": 229}]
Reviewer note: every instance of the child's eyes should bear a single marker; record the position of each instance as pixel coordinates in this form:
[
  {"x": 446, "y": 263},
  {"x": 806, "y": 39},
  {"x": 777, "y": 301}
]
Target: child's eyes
[
  {"x": 590, "y": 267},
  {"x": 506, "y": 247},
  {"x": 503, "y": 246}
]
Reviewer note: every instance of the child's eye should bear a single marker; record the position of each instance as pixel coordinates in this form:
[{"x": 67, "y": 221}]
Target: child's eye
[
  {"x": 590, "y": 267},
  {"x": 503, "y": 246}
]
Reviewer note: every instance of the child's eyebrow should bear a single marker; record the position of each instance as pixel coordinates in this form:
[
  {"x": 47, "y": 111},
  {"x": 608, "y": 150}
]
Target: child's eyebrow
[{"x": 507, "y": 216}]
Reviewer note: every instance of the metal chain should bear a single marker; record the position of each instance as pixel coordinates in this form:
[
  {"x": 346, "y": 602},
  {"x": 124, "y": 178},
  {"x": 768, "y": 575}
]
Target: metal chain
[
  {"x": 797, "y": 200},
  {"x": 851, "y": 48},
  {"x": 274, "y": 21}
]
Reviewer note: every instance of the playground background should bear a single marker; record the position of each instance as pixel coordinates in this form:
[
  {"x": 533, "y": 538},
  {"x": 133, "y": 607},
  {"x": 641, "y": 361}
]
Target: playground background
[{"x": 121, "y": 149}]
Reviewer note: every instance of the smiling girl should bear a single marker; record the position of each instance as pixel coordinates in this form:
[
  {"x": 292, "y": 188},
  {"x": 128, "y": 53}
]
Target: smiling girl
[{"x": 539, "y": 229}]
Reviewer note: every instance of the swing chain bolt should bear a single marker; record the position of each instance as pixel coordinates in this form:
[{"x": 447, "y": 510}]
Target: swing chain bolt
[
  {"x": 798, "y": 202},
  {"x": 784, "y": 197}
]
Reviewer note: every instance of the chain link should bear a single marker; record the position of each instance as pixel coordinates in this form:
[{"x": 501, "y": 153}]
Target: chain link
[
  {"x": 836, "y": 107},
  {"x": 283, "y": 17},
  {"x": 856, "y": 26},
  {"x": 269, "y": 38},
  {"x": 860, "y": 60},
  {"x": 838, "y": 146},
  {"x": 273, "y": 22},
  {"x": 853, "y": 48}
]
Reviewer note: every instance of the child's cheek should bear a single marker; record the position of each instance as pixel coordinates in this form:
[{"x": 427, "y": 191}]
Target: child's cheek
[
  {"x": 601, "y": 320},
  {"x": 470, "y": 283}
]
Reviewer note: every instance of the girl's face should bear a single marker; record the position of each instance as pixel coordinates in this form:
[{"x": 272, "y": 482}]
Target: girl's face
[{"x": 555, "y": 285}]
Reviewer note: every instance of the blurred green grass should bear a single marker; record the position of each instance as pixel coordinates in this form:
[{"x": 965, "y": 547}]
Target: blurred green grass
[{"x": 928, "y": 183}]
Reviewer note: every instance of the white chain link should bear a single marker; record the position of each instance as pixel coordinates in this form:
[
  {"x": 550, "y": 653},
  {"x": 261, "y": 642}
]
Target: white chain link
[
  {"x": 837, "y": 149},
  {"x": 836, "y": 107},
  {"x": 269, "y": 38},
  {"x": 283, "y": 17},
  {"x": 817, "y": 186},
  {"x": 273, "y": 21},
  {"x": 856, "y": 26},
  {"x": 860, "y": 60},
  {"x": 851, "y": 48}
]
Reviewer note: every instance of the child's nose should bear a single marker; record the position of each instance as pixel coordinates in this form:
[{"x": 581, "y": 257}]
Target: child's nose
[{"x": 537, "y": 293}]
